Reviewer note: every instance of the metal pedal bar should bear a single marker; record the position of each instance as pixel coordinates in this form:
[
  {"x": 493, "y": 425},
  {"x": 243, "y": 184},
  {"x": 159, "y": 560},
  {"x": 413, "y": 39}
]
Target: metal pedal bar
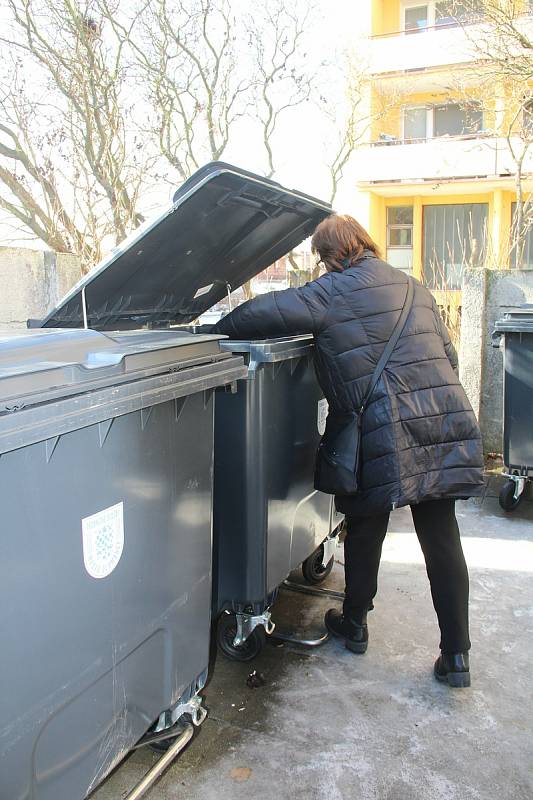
[
  {"x": 293, "y": 639},
  {"x": 152, "y": 738},
  {"x": 160, "y": 766},
  {"x": 314, "y": 590}
]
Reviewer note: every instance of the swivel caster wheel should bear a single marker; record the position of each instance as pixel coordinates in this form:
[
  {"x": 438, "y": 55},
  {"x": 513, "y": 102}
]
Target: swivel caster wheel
[
  {"x": 511, "y": 495},
  {"x": 313, "y": 568},
  {"x": 226, "y": 632}
]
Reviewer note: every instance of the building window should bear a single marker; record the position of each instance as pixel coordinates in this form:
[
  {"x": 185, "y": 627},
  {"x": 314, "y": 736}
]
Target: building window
[
  {"x": 400, "y": 237},
  {"x": 415, "y": 123},
  {"x": 449, "y": 119},
  {"x": 453, "y": 12},
  {"x": 453, "y": 119},
  {"x": 527, "y": 225},
  {"x": 416, "y": 19},
  {"x": 455, "y": 237},
  {"x": 419, "y": 17}
]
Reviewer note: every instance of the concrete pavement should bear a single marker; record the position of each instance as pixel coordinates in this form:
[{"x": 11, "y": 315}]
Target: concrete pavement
[{"x": 330, "y": 725}]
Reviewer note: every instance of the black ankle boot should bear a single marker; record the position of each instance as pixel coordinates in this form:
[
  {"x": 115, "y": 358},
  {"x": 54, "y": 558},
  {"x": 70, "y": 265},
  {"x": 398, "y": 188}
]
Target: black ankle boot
[
  {"x": 354, "y": 633},
  {"x": 453, "y": 669}
]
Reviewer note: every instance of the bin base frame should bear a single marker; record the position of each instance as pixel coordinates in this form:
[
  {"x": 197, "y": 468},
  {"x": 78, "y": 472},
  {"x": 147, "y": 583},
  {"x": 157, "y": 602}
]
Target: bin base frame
[
  {"x": 184, "y": 731},
  {"x": 247, "y": 621},
  {"x": 161, "y": 764}
]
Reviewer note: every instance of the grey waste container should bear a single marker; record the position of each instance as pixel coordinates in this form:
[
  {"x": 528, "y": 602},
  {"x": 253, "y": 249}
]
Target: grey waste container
[
  {"x": 515, "y": 333},
  {"x": 106, "y": 452},
  {"x": 268, "y": 518},
  {"x": 226, "y": 225}
]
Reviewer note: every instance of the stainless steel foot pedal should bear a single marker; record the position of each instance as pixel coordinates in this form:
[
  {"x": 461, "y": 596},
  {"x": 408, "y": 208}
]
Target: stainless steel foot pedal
[
  {"x": 313, "y": 590},
  {"x": 294, "y": 639},
  {"x": 161, "y": 765}
]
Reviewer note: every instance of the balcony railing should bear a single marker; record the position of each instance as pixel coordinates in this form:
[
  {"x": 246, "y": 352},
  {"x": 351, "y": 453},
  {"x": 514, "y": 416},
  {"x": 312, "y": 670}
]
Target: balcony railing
[
  {"x": 425, "y": 49},
  {"x": 431, "y": 47},
  {"x": 446, "y": 157}
]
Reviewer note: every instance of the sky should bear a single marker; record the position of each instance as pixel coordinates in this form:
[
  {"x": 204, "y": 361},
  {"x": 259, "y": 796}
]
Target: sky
[{"x": 300, "y": 144}]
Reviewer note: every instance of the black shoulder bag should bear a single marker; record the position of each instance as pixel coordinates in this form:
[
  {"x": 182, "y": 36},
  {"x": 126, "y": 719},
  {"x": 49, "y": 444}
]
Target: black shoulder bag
[{"x": 339, "y": 453}]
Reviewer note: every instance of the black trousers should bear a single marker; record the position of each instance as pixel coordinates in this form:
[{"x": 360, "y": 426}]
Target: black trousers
[{"x": 438, "y": 534}]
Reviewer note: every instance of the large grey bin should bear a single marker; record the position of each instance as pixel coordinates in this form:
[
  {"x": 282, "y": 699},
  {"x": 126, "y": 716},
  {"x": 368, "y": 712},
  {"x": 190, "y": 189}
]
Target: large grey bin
[
  {"x": 516, "y": 329},
  {"x": 268, "y": 517},
  {"x": 106, "y": 451}
]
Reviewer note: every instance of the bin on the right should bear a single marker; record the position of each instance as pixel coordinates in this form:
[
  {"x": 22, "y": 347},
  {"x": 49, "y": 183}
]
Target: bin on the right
[{"x": 514, "y": 333}]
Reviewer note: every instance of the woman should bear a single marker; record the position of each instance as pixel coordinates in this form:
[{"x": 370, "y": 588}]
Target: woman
[{"x": 420, "y": 442}]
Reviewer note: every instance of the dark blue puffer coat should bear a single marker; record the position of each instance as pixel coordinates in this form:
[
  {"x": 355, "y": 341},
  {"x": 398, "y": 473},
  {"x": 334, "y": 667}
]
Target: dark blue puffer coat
[{"x": 420, "y": 437}]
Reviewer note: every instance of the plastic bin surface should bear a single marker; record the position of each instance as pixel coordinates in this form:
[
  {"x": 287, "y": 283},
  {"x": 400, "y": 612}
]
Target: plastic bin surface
[
  {"x": 105, "y": 546},
  {"x": 517, "y": 329},
  {"x": 267, "y": 516}
]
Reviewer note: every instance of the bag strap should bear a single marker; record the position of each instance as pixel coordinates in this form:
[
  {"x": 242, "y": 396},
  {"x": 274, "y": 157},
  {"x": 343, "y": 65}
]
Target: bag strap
[{"x": 391, "y": 344}]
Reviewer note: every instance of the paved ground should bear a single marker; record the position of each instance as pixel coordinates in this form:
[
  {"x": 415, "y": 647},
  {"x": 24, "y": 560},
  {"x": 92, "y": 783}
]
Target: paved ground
[{"x": 329, "y": 725}]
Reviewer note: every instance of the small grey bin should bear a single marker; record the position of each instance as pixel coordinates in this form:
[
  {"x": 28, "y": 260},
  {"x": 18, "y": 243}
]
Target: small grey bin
[
  {"x": 268, "y": 517},
  {"x": 515, "y": 332}
]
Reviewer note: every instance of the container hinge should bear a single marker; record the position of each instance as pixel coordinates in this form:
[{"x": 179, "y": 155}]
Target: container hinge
[{"x": 15, "y": 407}]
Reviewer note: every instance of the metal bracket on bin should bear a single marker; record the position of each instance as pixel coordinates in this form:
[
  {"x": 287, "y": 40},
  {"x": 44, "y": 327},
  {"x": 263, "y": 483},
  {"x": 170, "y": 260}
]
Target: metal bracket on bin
[
  {"x": 193, "y": 707},
  {"x": 169, "y": 728},
  {"x": 247, "y": 623},
  {"x": 330, "y": 545},
  {"x": 519, "y": 484}
]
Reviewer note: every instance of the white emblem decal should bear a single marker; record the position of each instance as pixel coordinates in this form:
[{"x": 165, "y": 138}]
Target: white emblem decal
[{"x": 103, "y": 540}]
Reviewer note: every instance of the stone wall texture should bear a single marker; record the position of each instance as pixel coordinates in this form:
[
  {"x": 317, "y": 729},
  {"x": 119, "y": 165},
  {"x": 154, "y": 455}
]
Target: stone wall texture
[
  {"x": 487, "y": 295},
  {"x": 32, "y": 282}
]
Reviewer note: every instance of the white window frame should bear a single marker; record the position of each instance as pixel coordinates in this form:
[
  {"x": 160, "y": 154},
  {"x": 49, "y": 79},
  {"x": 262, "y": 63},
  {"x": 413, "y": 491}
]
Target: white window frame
[
  {"x": 432, "y": 13},
  {"x": 399, "y": 226},
  {"x": 416, "y": 4},
  {"x": 429, "y": 119}
]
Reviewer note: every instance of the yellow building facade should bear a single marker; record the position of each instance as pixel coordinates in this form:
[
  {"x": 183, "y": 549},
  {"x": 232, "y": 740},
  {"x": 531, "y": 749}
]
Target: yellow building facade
[{"x": 438, "y": 171}]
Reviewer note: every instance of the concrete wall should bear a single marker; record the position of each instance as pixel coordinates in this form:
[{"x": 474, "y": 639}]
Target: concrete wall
[
  {"x": 32, "y": 282},
  {"x": 487, "y": 295}
]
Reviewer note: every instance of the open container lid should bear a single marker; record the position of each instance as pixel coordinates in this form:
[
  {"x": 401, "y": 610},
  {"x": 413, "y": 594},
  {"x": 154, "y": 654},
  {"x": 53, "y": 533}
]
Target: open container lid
[
  {"x": 224, "y": 226},
  {"x": 519, "y": 321}
]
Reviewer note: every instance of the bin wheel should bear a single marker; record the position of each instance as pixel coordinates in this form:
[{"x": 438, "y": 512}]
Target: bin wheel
[
  {"x": 226, "y": 631},
  {"x": 314, "y": 570},
  {"x": 507, "y": 499}
]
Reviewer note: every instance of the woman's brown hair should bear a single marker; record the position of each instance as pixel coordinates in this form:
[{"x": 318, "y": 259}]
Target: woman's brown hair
[{"x": 340, "y": 240}]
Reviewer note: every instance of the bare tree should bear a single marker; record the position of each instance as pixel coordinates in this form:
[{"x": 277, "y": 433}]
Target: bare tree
[
  {"x": 502, "y": 44},
  {"x": 283, "y": 79},
  {"x": 70, "y": 167},
  {"x": 184, "y": 54},
  {"x": 121, "y": 92},
  {"x": 349, "y": 115}
]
